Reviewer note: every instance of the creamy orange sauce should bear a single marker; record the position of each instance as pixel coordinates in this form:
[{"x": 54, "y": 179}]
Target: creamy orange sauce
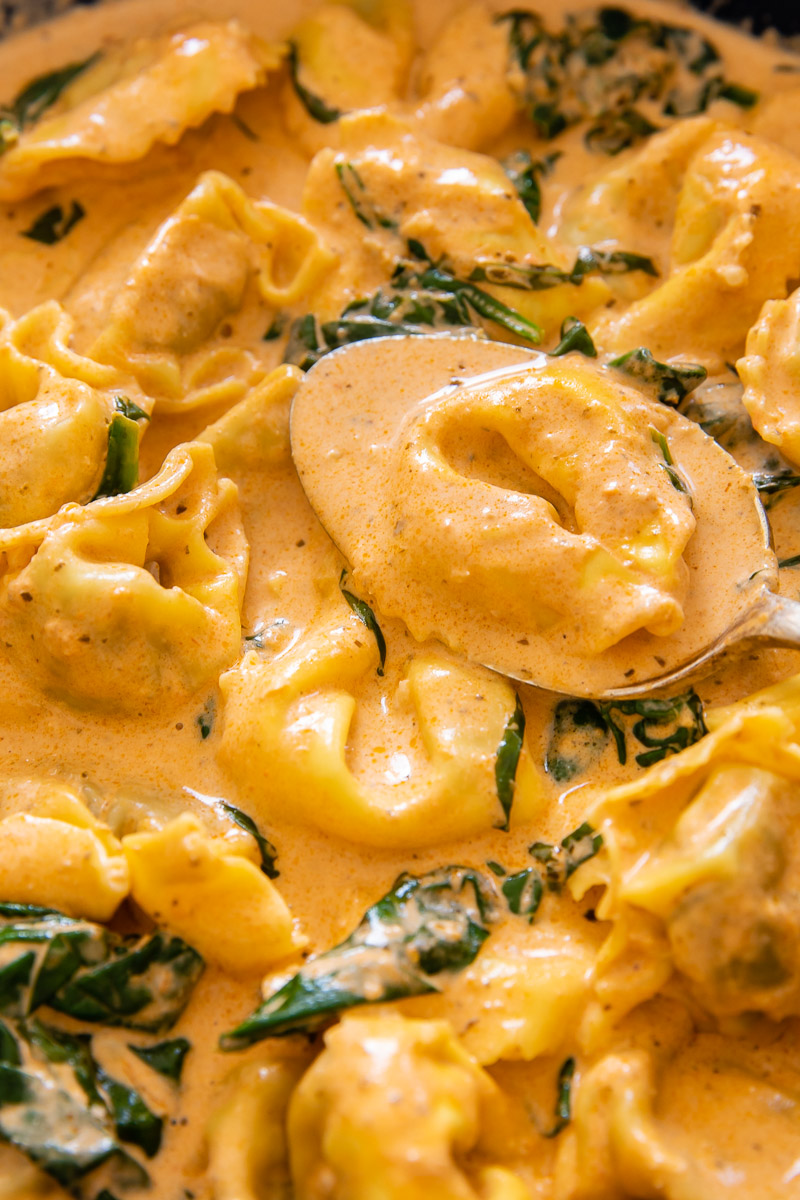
[{"x": 197, "y": 649}]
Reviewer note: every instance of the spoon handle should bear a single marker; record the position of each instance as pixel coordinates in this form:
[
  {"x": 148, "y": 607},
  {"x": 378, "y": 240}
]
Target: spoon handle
[{"x": 775, "y": 620}]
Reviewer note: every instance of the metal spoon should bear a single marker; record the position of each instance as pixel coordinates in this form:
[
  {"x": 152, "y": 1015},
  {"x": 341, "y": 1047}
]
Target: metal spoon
[{"x": 344, "y": 416}]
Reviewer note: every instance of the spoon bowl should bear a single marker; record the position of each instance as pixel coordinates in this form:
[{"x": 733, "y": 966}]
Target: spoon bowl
[{"x": 346, "y": 418}]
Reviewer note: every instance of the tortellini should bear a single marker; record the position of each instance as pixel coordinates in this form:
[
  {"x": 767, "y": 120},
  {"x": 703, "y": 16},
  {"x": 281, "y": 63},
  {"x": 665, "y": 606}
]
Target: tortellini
[
  {"x": 210, "y": 892},
  {"x": 456, "y": 204},
  {"x": 55, "y": 853},
  {"x": 770, "y": 372},
  {"x": 391, "y": 1109},
  {"x": 150, "y": 92},
  {"x": 164, "y": 316},
  {"x": 734, "y": 245},
  {"x": 54, "y": 432},
  {"x": 351, "y": 55},
  {"x": 286, "y": 726},
  {"x": 132, "y": 600},
  {"x": 704, "y": 866}
]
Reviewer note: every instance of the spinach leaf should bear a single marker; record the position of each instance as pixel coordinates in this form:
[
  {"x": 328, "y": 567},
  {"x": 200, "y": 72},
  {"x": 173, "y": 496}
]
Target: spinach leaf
[
  {"x": 365, "y": 614},
  {"x": 601, "y": 64},
  {"x": 794, "y": 561},
  {"x": 315, "y": 106},
  {"x": 523, "y": 892},
  {"x": 167, "y": 1058},
  {"x": 614, "y": 132},
  {"x": 507, "y": 761},
  {"x": 563, "y": 1098},
  {"x": 354, "y": 189},
  {"x": 133, "y": 1121},
  {"x": 425, "y": 926},
  {"x": 562, "y": 860},
  {"x": 90, "y": 973},
  {"x": 54, "y": 1107},
  {"x": 525, "y": 173},
  {"x": 121, "y": 472},
  {"x": 35, "y": 98},
  {"x": 775, "y": 483},
  {"x": 574, "y": 336},
  {"x": 276, "y": 328},
  {"x": 205, "y": 720},
  {"x": 541, "y": 277},
  {"x": 680, "y": 718},
  {"x": 579, "y": 735},
  {"x": 668, "y": 382},
  {"x": 669, "y": 463},
  {"x": 266, "y": 849},
  {"x": 54, "y": 224}
]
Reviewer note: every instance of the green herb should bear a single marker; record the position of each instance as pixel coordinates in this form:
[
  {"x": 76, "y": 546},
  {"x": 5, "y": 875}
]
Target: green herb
[
  {"x": 205, "y": 720},
  {"x": 167, "y": 1058},
  {"x": 540, "y": 277},
  {"x": 523, "y": 891},
  {"x": 579, "y": 735},
  {"x": 507, "y": 760},
  {"x": 276, "y": 329},
  {"x": 601, "y": 64},
  {"x": 121, "y": 472},
  {"x": 562, "y": 860},
  {"x": 56, "y": 1107},
  {"x": 669, "y": 463},
  {"x": 130, "y": 409},
  {"x": 680, "y": 717},
  {"x": 772, "y": 484},
  {"x": 35, "y": 98},
  {"x": 422, "y": 928},
  {"x": 315, "y": 106},
  {"x": 496, "y": 868},
  {"x": 266, "y": 849},
  {"x": 365, "y": 614},
  {"x": 616, "y": 131},
  {"x": 53, "y": 224},
  {"x": 574, "y": 336},
  {"x": 465, "y": 296},
  {"x": 563, "y": 1098},
  {"x": 244, "y": 128},
  {"x": 668, "y": 382},
  {"x": 354, "y": 189},
  {"x": 88, "y": 972},
  {"x": 525, "y": 173},
  {"x": 794, "y": 561}
]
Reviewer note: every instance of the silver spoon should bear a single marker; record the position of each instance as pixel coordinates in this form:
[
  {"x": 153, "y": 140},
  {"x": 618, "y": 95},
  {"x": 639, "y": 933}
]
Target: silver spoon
[{"x": 344, "y": 417}]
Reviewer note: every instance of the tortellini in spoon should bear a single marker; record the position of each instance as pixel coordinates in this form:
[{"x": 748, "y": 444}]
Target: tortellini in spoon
[{"x": 535, "y": 514}]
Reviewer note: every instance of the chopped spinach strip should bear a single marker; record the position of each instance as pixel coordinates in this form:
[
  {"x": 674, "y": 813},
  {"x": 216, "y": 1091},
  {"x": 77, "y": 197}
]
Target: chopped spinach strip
[
  {"x": 541, "y": 277},
  {"x": 266, "y": 849},
  {"x": 794, "y": 561},
  {"x": 54, "y": 224},
  {"x": 354, "y": 189},
  {"x": 205, "y": 720},
  {"x": 314, "y": 105},
  {"x": 67, "y": 1115},
  {"x": 563, "y": 1098},
  {"x": 668, "y": 382},
  {"x": 507, "y": 761},
  {"x": 130, "y": 409},
  {"x": 523, "y": 892},
  {"x": 669, "y": 463},
  {"x": 84, "y": 970},
  {"x": 365, "y": 614},
  {"x": 574, "y": 336},
  {"x": 616, "y": 131},
  {"x": 602, "y": 63},
  {"x": 424, "y": 927},
  {"x": 525, "y": 173},
  {"x": 773, "y": 484},
  {"x": 579, "y": 736},
  {"x": 276, "y": 328},
  {"x": 35, "y": 98},
  {"x": 121, "y": 472},
  {"x": 581, "y": 729},
  {"x": 562, "y": 860},
  {"x": 166, "y": 1058}
]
